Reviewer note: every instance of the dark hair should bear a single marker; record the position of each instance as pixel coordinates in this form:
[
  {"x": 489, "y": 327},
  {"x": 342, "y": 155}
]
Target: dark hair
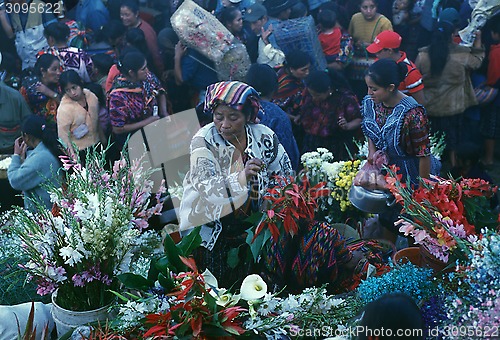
[
  {"x": 360, "y": 2},
  {"x": 385, "y": 72},
  {"x": 43, "y": 63},
  {"x": 113, "y": 30},
  {"x": 57, "y": 30},
  {"x": 131, "y": 61},
  {"x": 133, "y": 5},
  {"x": 135, "y": 37},
  {"x": 227, "y": 14},
  {"x": 494, "y": 24},
  {"x": 299, "y": 10},
  {"x": 70, "y": 77},
  {"x": 98, "y": 91},
  {"x": 102, "y": 62},
  {"x": 297, "y": 59},
  {"x": 327, "y": 18},
  {"x": 341, "y": 13},
  {"x": 319, "y": 81},
  {"x": 338, "y": 80},
  {"x": 393, "y": 312},
  {"x": 36, "y": 126},
  {"x": 439, "y": 48},
  {"x": 263, "y": 79}
]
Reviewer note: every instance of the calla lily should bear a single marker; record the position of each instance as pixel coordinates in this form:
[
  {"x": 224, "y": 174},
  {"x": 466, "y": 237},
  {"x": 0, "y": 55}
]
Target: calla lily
[
  {"x": 226, "y": 299},
  {"x": 253, "y": 288}
]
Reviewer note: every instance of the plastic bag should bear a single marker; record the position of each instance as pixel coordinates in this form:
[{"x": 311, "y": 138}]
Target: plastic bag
[{"x": 370, "y": 175}]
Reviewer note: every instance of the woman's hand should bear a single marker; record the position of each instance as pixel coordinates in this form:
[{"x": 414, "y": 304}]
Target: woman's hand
[
  {"x": 20, "y": 147},
  {"x": 152, "y": 119},
  {"x": 264, "y": 34},
  {"x": 477, "y": 39},
  {"x": 180, "y": 50},
  {"x": 344, "y": 125},
  {"x": 252, "y": 168}
]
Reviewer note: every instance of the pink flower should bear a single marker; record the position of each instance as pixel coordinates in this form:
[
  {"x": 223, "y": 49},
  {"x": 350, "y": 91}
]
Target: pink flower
[
  {"x": 45, "y": 287},
  {"x": 406, "y": 227},
  {"x": 419, "y": 235},
  {"x": 78, "y": 280}
]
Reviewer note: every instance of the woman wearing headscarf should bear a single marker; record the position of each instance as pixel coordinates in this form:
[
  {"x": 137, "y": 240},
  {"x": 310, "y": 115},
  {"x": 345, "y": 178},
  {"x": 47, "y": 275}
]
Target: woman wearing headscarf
[{"x": 233, "y": 163}]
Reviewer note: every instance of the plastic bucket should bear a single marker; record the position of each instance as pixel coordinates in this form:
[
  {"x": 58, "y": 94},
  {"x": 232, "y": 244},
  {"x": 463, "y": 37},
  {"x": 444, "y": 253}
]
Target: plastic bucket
[{"x": 67, "y": 320}]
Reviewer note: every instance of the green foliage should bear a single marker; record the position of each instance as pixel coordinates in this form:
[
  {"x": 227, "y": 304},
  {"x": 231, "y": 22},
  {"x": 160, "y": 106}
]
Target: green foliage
[{"x": 161, "y": 267}]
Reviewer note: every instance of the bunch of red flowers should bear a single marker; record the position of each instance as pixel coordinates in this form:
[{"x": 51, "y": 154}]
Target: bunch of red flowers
[
  {"x": 445, "y": 216},
  {"x": 194, "y": 311},
  {"x": 289, "y": 203}
]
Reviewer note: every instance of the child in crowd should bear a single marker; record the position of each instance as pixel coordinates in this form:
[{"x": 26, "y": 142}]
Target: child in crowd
[
  {"x": 401, "y": 12},
  {"x": 329, "y": 35}
]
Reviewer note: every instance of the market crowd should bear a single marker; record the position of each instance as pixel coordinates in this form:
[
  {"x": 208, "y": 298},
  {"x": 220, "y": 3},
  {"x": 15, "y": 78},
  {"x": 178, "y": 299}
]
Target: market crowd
[{"x": 396, "y": 71}]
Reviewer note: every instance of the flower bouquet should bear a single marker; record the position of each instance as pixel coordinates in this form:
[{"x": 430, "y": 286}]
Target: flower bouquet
[
  {"x": 338, "y": 177},
  {"x": 444, "y": 216},
  {"x": 289, "y": 202},
  {"x": 92, "y": 232},
  {"x": 176, "y": 300},
  {"x": 476, "y": 305}
]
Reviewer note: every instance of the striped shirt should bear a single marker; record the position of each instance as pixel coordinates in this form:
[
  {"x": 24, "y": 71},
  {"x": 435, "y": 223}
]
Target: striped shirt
[{"x": 413, "y": 81}]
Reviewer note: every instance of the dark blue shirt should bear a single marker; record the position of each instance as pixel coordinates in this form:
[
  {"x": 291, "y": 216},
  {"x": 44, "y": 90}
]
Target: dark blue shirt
[
  {"x": 277, "y": 120},
  {"x": 197, "y": 70}
]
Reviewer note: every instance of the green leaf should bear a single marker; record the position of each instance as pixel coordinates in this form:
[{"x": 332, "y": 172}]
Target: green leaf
[
  {"x": 232, "y": 257},
  {"x": 173, "y": 254},
  {"x": 190, "y": 242},
  {"x": 254, "y": 218},
  {"x": 215, "y": 331},
  {"x": 120, "y": 296},
  {"x": 166, "y": 282},
  {"x": 161, "y": 265},
  {"x": 258, "y": 244},
  {"x": 134, "y": 281},
  {"x": 155, "y": 268}
]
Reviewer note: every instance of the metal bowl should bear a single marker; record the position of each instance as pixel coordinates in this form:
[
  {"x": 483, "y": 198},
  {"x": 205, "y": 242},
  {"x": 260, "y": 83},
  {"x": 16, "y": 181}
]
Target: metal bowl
[{"x": 370, "y": 201}]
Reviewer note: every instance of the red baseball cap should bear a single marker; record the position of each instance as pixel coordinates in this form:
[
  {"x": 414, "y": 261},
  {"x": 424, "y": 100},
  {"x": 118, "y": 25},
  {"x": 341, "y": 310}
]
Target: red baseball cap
[{"x": 385, "y": 39}]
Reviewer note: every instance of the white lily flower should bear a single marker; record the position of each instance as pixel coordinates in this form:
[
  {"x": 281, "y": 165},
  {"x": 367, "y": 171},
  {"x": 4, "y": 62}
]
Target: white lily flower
[
  {"x": 253, "y": 288},
  {"x": 226, "y": 299}
]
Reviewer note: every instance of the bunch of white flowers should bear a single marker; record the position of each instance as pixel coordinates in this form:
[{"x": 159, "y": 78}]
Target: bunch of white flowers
[{"x": 296, "y": 313}]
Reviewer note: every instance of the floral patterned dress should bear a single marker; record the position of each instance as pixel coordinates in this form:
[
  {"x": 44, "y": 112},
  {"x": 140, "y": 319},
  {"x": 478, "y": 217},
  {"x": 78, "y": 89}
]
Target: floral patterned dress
[
  {"x": 402, "y": 132},
  {"x": 131, "y": 102},
  {"x": 320, "y": 123},
  {"x": 39, "y": 103}
]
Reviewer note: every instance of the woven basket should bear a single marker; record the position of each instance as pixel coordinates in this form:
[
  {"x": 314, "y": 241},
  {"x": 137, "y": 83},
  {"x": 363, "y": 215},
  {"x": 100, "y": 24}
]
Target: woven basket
[
  {"x": 234, "y": 64},
  {"x": 300, "y": 34},
  {"x": 200, "y": 30}
]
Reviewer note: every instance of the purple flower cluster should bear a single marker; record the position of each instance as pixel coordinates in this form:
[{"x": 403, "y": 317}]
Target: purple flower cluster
[{"x": 94, "y": 273}]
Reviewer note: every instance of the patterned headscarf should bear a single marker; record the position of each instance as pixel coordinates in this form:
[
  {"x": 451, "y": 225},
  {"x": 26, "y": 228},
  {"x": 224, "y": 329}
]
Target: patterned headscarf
[{"x": 234, "y": 94}]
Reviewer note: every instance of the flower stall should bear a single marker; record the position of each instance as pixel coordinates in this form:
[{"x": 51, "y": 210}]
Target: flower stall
[{"x": 94, "y": 250}]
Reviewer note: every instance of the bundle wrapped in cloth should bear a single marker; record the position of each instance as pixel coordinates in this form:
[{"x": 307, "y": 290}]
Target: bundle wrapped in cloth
[
  {"x": 370, "y": 175},
  {"x": 200, "y": 30}
]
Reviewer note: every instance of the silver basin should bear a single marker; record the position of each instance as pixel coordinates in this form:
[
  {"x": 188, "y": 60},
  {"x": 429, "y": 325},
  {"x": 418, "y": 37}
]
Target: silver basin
[{"x": 370, "y": 201}]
